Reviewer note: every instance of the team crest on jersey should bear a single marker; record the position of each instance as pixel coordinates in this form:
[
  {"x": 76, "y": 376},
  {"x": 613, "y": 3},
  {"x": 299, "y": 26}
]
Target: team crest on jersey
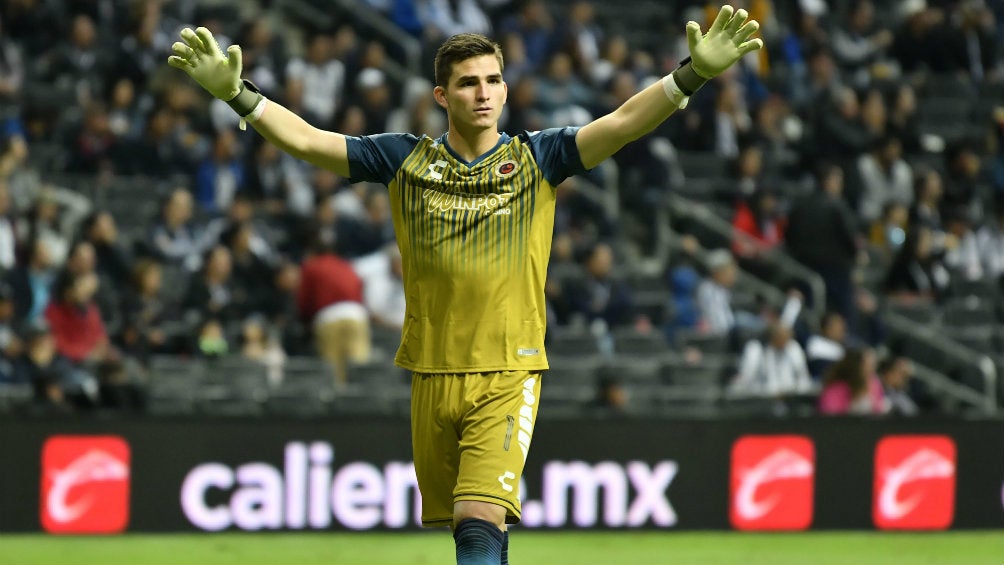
[{"x": 506, "y": 168}]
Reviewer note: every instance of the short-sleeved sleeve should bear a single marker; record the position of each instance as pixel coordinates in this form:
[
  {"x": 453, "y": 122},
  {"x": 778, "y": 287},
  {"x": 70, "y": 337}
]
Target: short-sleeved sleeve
[
  {"x": 556, "y": 153},
  {"x": 376, "y": 158}
]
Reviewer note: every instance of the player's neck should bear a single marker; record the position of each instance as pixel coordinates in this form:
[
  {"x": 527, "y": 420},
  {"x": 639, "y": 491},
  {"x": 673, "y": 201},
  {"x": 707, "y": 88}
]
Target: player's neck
[{"x": 471, "y": 145}]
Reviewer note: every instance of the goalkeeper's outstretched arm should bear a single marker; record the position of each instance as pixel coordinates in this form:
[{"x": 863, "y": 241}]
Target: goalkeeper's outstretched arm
[
  {"x": 199, "y": 55},
  {"x": 727, "y": 40}
]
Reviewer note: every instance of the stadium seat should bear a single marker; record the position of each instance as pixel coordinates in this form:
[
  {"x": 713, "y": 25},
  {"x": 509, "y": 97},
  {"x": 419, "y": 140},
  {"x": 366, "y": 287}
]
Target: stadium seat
[{"x": 628, "y": 341}]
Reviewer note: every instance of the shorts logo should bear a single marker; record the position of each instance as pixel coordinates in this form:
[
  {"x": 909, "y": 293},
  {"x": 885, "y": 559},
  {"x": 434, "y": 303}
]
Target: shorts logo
[
  {"x": 506, "y": 168},
  {"x": 914, "y": 483},
  {"x": 85, "y": 484},
  {"x": 772, "y": 483},
  {"x": 507, "y": 476}
]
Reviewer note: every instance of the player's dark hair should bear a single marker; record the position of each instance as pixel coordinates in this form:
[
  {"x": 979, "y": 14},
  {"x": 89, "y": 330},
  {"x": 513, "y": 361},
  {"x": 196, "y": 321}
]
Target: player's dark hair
[{"x": 461, "y": 47}]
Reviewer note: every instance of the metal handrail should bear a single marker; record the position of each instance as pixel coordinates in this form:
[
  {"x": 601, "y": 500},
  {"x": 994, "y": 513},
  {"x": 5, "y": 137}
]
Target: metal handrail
[
  {"x": 706, "y": 216},
  {"x": 934, "y": 339}
]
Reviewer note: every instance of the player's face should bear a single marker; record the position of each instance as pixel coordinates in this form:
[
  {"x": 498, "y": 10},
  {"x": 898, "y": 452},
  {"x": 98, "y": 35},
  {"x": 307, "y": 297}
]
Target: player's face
[{"x": 474, "y": 97}]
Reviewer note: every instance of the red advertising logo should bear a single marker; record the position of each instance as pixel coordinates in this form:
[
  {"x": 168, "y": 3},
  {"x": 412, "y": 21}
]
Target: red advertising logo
[
  {"x": 772, "y": 483},
  {"x": 914, "y": 483},
  {"x": 85, "y": 484}
]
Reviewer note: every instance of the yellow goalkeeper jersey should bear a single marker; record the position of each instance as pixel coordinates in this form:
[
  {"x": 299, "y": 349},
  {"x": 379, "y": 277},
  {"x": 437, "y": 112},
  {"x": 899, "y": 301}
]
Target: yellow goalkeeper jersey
[{"x": 475, "y": 238}]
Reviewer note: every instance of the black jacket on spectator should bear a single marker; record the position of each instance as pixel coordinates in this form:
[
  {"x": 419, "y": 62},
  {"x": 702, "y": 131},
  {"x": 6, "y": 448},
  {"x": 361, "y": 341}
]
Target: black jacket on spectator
[{"x": 821, "y": 232}]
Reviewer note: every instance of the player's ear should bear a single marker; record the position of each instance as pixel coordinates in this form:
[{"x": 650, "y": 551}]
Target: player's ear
[
  {"x": 440, "y": 95},
  {"x": 505, "y": 91}
]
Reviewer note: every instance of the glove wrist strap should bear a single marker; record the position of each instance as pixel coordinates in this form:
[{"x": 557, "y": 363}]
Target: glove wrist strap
[
  {"x": 687, "y": 79},
  {"x": 247, "y": 98}
]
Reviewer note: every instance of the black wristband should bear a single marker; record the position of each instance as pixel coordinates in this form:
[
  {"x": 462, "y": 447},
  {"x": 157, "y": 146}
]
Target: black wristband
[
  {"x": 247, "y": 98},
  {"x": 687, "y": 79}
]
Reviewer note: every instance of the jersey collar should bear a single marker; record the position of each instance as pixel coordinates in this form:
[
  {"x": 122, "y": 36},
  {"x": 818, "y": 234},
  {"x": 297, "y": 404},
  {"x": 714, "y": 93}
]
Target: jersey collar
[{"x": 503, "y": 139}]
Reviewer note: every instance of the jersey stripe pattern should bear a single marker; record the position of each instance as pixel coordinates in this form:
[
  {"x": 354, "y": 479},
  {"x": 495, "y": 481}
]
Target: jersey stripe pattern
[{"x": 475, "y": 240}]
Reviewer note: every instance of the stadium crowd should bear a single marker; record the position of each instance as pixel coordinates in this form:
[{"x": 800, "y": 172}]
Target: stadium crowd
[{"x": 137, "y": 220}]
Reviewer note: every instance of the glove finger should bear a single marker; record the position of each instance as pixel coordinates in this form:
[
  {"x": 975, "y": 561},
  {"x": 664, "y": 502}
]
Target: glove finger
[
  {"x": 750, "y": 46},
  {"x": 724, "y": 15},
  {"x": 191, "y": 40},
  {"x": 737, "y": 20},
  {"x": 179, "y": 62},
  {"x": 208, "y": 41},
  {"x": 234, "y": 58},
  {"x": 182, "y": 50},
  {"x": 693, "y": 35},
  {"x": 745, "y": 32}
]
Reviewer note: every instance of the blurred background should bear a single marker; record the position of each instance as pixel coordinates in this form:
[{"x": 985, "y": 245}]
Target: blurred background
[{"x": 821, "y": 232}]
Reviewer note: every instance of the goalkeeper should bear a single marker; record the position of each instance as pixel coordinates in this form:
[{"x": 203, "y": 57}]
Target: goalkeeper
[{"x": 473, "y": 215}]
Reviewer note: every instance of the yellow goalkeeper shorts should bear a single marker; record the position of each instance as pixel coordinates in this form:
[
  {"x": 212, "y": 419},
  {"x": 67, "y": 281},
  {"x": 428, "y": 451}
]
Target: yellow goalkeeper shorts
[{"x": 470, "y": 435}]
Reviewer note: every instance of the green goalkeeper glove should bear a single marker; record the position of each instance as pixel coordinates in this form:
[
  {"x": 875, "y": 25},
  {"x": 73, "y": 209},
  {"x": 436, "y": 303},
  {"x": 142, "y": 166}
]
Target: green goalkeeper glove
[
  {"x": 727, "y": 41},
  {"x": 201, "y": 57}
]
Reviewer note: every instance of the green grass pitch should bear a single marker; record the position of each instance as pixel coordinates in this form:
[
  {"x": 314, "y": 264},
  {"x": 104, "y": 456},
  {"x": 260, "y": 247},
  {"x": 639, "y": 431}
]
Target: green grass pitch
[{"x": 528, "y": 548}]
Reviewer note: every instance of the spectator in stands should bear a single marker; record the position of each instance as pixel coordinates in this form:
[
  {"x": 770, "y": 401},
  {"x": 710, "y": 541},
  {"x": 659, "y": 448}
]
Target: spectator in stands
[
  {"x": 11, "y": 344},
  {"x": 774, "y": 367},
  {"x": 979, "y": 49},
  {"x": 211, "y": 294},
  {"x": 902, "y": 120},
  {"x": 758, "y": 228},
  {"x": 374, "y": 99},
  {"x": 376, "y": 228},
  {"x": 714, "y": 297},
  {"x": 58, "y": 386},
  {"x": 176, "y": 238},
  {"x": 443, "y": 18},
  {"x": 732, "y": 121},
  {"x": 895, "y": 373},
  {"x": 55, "y": 217},
  {"x": 9, "y": 244},
  {"x": 582, "y": 36},
  {"x": 966, "y": 184},
  {"x": 827, "y": 346},
  {"x": 611, "y": 398},
  {"x": 850, "y": 386},
  {"x": 252, "y": 276},
  {"x": 140, "y": 53},
  {"x": 916, "y": 274},
  {"x": 144, "y": 313},
  {"x": 82, "y": 260},
  {"x": 889, "y": 232},
  {"x": 330, "y": 300},
  {"x": 112, "y": 260},
  {"x": 125, "y": 109},
  {"x": 926, "y": 211},
  {"x": 885, "y": 177},
  {"x": 158, "y": 150},
  {"x": 211, "y": 340},
  {"x": 923, "y": 40},
  {"x": 315, "y": 83},
  {"x": 220, "y": 176},
  {"x": 283, "y": 313},
  {"x": 561, "y": 93},
  {"x": 12, "y": 69},
  {"x": 990, "y": 240},
  {"x": 809, "y": 65},
  {"x": 260, "y": 345},
  {"x": 602, "y": 298},
  {"x": 263, "y": 53},
  {"x": 383, "y": 286},
  {"x": 860, "y": 43},
  {"x": 418, "y": 113},
  {"x": 79, "y": 65},
  {"x": 840, "y": 127},
  {"x": 81, "y": 337},
  {"x": 962, "y": 257},
  {"x": 93, "y": 143},
  {"x": 31, "y": 282},
  {"x": 822, "y": 235},
  {"x": 277, "y": 182},
  {"x": 534, "y": 24}
]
